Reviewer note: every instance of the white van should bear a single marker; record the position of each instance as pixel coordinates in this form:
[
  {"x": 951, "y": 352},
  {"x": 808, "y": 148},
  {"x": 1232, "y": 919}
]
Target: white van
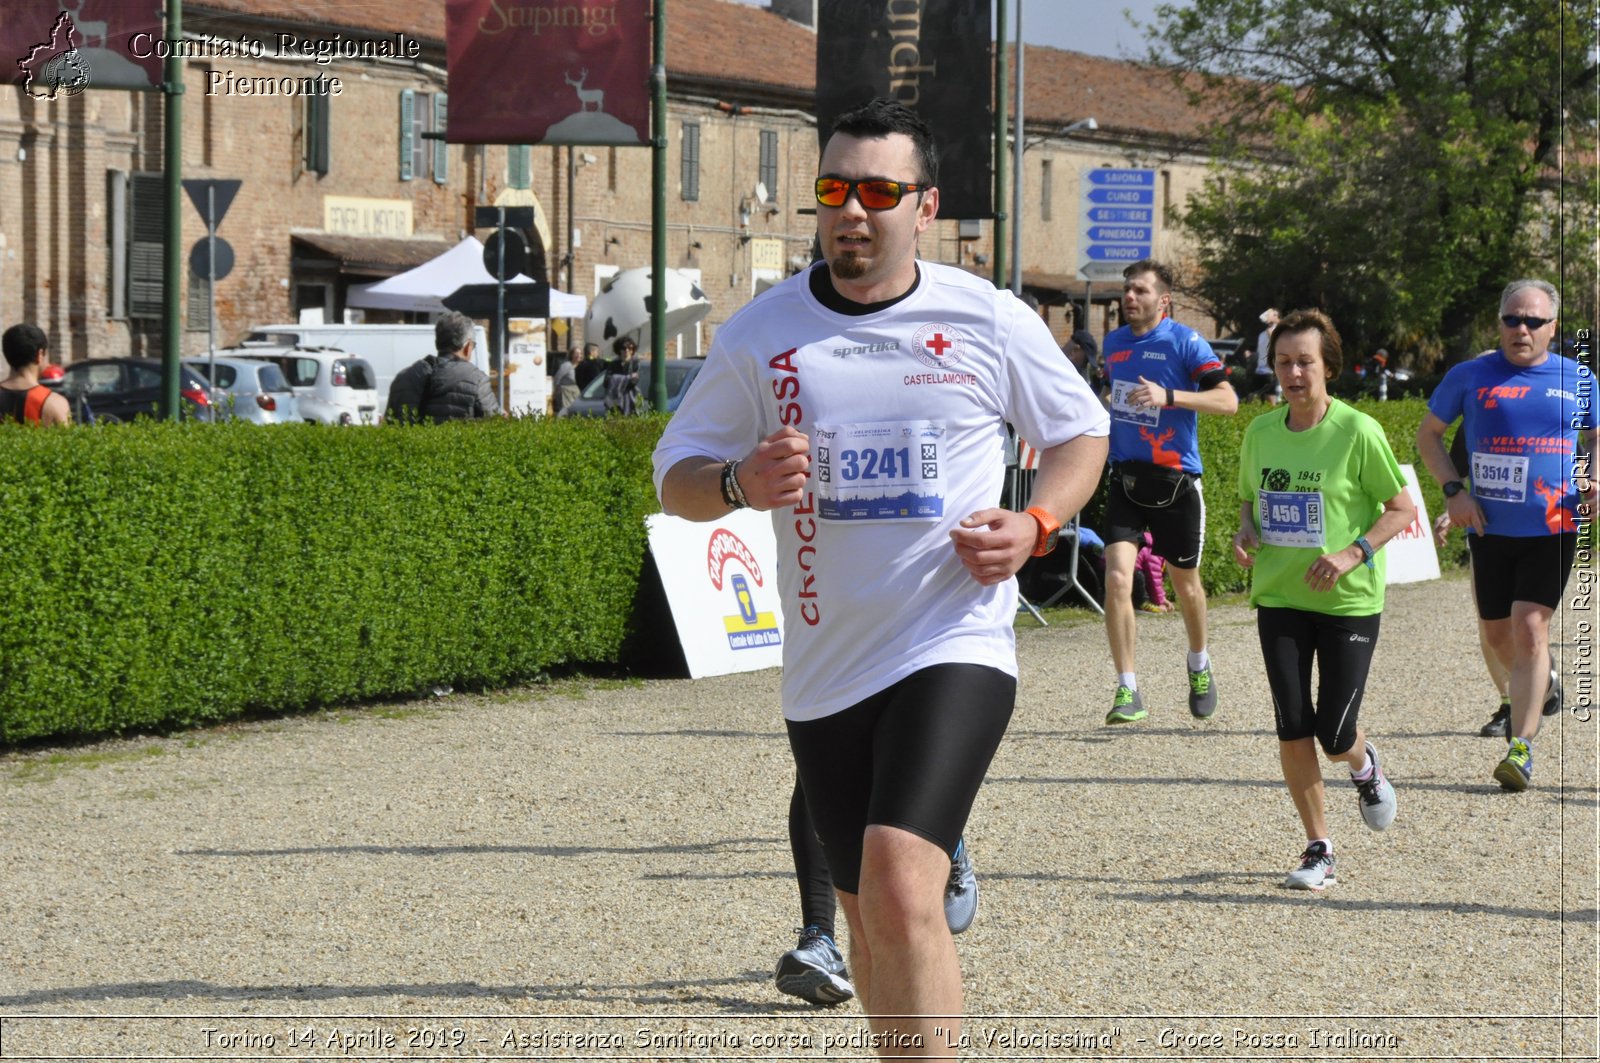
[{"x": 387, "y": 348}]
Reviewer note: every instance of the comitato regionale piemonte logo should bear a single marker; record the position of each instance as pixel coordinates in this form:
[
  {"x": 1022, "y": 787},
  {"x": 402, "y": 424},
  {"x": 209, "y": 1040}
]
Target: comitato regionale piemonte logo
[{"x": 54, "y": 68}]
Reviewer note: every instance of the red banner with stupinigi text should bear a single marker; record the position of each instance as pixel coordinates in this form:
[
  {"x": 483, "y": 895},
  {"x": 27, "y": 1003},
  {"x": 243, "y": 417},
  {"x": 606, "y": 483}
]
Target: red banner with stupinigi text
[{"x": 548, "y": 71}]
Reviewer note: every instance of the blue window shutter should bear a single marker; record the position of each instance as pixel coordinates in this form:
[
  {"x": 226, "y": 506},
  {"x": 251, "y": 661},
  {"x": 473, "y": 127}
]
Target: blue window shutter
[
  {"x": 408, "y": 134},
  {"x": 441, "y": 150}
]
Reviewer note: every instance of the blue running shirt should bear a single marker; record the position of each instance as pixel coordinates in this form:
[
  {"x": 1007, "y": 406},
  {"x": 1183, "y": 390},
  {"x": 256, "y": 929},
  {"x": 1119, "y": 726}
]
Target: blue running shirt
[
  {"x": 1521, "y": 426},
  {"x": 1173, "y": 356}
]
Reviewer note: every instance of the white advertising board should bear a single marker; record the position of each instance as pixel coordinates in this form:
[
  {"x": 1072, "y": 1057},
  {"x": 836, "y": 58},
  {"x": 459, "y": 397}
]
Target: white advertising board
[
  {"x": 529, "y": 383},
  {"x": 721, "y": 581},
  {"x": 1412, "y": 555}
]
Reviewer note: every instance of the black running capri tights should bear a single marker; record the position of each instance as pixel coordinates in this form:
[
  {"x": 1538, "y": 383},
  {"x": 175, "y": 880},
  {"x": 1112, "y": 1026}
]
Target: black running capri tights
[
  {"x": 910, "y": 756},
  {"x": 1342, "y": 648}
]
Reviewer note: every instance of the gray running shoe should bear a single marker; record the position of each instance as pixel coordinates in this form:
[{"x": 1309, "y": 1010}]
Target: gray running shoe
[
  {"x": 1126, "y": 706},
  {"x": 1499, "y": 725},
  {"x": 1377, "y": 796},
  {"x": 1315, "y": 871},
  {"x": 814, "y": 970},
  {"x": 1516, "y": 771},
  {"x": 1202, "y": 694},
  {"x": 1552, "y": 699},
  {"x": 961, "y": 892}
]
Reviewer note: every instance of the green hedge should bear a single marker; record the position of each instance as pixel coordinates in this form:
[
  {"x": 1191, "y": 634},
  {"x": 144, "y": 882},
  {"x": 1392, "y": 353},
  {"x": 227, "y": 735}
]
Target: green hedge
[
  {"x": 1220, "y": 439},
  {"x": 172, "y": 575},
  {"x": 168, "y": 575}
]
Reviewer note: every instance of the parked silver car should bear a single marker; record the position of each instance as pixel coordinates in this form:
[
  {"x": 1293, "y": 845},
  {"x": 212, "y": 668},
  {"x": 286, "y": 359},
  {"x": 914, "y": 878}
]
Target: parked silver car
[
  {"x": 330, "y": 386},
  {"x": 245, "y": 389}
]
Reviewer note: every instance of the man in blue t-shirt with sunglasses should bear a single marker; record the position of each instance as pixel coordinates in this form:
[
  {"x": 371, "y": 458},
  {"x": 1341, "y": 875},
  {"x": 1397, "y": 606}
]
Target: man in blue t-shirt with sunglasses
[{"x": 1524, "y": 413}]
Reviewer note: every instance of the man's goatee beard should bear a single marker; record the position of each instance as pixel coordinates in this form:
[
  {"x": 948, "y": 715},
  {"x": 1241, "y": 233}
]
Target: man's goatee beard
[{"x": 848, "y": 267}]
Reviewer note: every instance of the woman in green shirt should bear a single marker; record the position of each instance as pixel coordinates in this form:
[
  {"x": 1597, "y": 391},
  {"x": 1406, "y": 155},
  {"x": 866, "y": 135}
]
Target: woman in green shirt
[{"x": 1320, "y": 493}]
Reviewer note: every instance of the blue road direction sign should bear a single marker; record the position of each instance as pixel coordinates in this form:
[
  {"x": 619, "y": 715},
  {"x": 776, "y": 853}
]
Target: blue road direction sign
[{"x": 1118, "y": 221}]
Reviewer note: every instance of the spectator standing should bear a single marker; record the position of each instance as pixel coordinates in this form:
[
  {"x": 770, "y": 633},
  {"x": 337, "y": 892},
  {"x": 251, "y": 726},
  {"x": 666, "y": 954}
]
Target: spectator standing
[
  {"x": 567, "y": 380},
  {"x": 23, "y": 398},
  {"x": 590, "y": 367},
  {"x": 444, "y": 386},
  {"x": 1264, "y": 383},
  {"x": 622, "y": 377}
]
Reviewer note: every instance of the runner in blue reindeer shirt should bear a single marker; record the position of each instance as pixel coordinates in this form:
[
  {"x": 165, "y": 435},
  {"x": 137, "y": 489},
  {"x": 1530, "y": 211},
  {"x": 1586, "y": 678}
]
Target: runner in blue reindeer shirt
[{"x": 1162, "y": 374}]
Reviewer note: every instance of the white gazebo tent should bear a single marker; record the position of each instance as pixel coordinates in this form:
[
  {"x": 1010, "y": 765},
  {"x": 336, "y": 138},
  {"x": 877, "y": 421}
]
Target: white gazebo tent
[
  {"x": 525, "y": 384},
  {"x": 423, "y": 289}
]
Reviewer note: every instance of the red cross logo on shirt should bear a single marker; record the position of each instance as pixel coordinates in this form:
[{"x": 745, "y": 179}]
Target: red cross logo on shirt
[{"x": 938, "y": 345}]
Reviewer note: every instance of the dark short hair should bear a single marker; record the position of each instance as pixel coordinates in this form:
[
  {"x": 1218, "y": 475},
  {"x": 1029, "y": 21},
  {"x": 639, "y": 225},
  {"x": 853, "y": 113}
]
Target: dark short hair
[
  {"x": 1311, "y": 321},
  {"x": 882, "y": 117},
  {"x": 1150, "y": 265},
  {"x": 22, "y": 344},
  {"x": 452, "y": 332},
  {"x": 623, "y": 341}
]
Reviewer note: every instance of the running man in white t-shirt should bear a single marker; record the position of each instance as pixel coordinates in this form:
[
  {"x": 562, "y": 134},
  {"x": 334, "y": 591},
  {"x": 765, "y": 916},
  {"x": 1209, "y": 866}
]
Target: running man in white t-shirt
[{"x": 864, "y": 405}]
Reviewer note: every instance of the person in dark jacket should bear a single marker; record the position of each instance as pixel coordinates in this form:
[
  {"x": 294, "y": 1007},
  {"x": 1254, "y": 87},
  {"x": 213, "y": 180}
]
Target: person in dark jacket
[
  {"x": 591, "y": 366},
  {"x": 622, "y": 380},
  {"x": 445, "y": 386}
]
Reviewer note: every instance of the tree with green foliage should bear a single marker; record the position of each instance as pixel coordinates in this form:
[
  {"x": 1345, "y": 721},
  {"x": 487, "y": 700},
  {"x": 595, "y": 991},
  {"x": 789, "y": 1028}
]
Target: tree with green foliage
[{"x": 1391, "y": 162}]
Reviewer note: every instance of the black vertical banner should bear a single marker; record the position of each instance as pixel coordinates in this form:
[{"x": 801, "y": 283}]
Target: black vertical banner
[{"x": 931, "y": 55}]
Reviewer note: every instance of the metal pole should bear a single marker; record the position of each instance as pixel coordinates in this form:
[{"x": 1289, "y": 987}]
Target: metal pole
[
  {"x": 1017, "y": 148},
  {"x": 211, "y": 297},
  {"x": 572, "y": 255},
  {"x": 1000, "y": 143},
  {"x": 658, "y": 212},
  {"x": 500, "y": 314},
  {"x": 172, "y": 250}
]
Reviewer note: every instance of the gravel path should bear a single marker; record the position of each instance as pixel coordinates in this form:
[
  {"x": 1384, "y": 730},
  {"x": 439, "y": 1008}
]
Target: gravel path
[{"x": 600, "y": 869}]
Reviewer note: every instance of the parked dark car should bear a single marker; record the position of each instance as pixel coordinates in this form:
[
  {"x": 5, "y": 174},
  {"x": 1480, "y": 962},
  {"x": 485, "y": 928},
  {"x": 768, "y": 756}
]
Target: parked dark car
[
  {"x": 680, "y": 374},
  {"x": 120, "y": 389}
]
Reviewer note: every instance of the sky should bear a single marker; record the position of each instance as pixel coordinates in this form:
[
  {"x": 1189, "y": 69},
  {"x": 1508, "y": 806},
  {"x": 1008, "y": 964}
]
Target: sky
[{"x": 1094, "y": 26}]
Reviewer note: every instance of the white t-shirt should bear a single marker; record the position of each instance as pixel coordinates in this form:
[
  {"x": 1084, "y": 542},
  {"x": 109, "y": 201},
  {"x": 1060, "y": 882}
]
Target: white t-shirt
[
  {"x": 905, "y": 409},
  {"x": 1263, "y": 363}
]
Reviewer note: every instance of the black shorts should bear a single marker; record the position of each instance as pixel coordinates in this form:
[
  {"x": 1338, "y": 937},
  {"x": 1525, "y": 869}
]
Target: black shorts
[
  {"x": 911, "y": 756},
  {"x": 1342, "y": 648},
  {"x": 1178, "y": 526},
  {"x": 1520, "y": 568}
]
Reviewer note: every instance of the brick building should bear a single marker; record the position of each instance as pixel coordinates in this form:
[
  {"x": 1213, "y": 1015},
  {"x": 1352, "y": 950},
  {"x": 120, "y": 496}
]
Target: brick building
[{"x": 342, "y": 189}]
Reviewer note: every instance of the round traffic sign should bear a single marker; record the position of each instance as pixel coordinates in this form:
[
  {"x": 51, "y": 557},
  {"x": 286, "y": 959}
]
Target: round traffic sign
[
  {"x": 200, "y": 257},
  {"x": 516, "y": 245}
]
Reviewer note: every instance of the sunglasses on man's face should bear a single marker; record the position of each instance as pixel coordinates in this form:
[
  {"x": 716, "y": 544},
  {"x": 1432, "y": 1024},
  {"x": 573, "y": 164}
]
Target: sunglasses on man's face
[
  {"x": 1533, "y": 323},
  {"x": 872, "y": 193}
]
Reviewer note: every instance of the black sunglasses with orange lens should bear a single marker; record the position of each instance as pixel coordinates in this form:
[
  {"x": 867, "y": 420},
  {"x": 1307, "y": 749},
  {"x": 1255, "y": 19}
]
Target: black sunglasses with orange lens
[{"x": 873, "y": 193}]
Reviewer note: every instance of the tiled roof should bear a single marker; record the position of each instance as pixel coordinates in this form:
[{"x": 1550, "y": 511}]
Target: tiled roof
[
  {"x": 1122, "y": 96},
  {"x": 748, "y": 54},
  {"x": 721, "y": 41},
  {"x": 422, "y": 19}
]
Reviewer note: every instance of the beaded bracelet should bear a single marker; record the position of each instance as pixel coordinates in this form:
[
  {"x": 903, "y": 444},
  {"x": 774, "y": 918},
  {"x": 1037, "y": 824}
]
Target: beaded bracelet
[{"x": 732, "y": 493}]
